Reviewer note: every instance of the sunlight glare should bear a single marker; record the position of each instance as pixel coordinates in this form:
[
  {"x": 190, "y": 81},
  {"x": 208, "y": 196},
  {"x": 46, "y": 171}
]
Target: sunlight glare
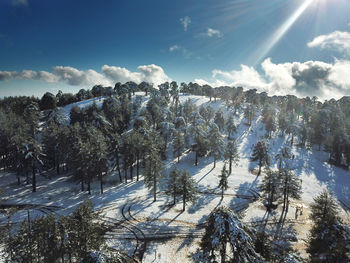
[{"x": 281, "y": 31}]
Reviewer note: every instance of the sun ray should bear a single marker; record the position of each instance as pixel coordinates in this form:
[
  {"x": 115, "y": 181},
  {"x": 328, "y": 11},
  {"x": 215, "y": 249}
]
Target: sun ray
[{"x": 280, "y": 32}]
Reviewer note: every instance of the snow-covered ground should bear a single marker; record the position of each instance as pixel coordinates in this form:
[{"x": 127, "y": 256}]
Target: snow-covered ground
[{"x": 133, "y": 205}]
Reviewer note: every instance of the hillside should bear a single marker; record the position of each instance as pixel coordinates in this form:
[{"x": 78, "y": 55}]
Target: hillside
[{"x": 166, "y": 232}]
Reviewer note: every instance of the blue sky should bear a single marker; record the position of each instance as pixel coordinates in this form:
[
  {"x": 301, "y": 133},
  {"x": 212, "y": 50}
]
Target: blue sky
[{"x": 264, "y": 44}]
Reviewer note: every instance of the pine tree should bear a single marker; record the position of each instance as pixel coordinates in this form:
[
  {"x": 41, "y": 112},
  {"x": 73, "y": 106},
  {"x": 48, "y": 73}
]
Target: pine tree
[
  {"x": 283, "y": 155},
  {"x": 290, "y": 188},
  {"x": 249, "y": 113},
  {"x": 216, "y": 143},
  {"x": 270, "y": 187},
  {"x": 219, "y": 120},
  {"x": 226, "y": 239},
  {"x": 178, "y": 145},
  {"x": 199, "y": 134},
  {"x": 207, "y": 113},
  {"x": 230, "y": 126},
  {"x": 231, "y": 154},
  {"x": 188, "y": 188},
  {"x": 223, "y": 184},
  {"x": 33, "y": 155},
  {"x": 329, "y": 237},
  {"x": 172, "y": 184},
  {"x": 260, "y": 154},
  {"x": 153, "y": 171}
]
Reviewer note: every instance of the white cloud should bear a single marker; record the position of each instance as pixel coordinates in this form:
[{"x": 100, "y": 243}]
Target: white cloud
[
  {"x": 174, "y": 47},
  {"x": 149, "y": 73},
  {"x": 77, "y": 77},
  {"x": 28, "y": 75},
  {"x": 185, "y": 21},
  {"x": 311, "y": 78},
  {"x": 211, "y": 33},
  {"x": 109, "y": 75},
  {"x": 185, "y": 52},
  {"x": 337, "y": 40},
  {"x": 19, "y": 2}
]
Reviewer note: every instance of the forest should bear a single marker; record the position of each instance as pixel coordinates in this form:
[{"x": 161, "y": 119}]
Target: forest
[{"x": 157, "y": 136}]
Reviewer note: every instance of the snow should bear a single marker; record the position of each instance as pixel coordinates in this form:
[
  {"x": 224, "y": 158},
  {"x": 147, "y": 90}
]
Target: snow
[
  {"x": 65, "y": 111},
  {"x": 62, "y": 195}
]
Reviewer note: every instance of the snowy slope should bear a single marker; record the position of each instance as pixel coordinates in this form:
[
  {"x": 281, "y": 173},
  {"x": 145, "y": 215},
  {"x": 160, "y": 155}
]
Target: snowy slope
[{"x": 159, "y": 217}]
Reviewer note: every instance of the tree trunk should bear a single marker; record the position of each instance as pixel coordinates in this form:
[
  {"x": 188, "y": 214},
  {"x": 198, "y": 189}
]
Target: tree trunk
[
  {"x": 184, "y": 201},
  {"x": 222, "y": 193},
  {"x": 137, "y": 168},
  {"x": 89, "y": 187},
  {"x": 82, "y": 185},
  {"x": 18, "y": 180},
  {"x": 259, "y": 168},
  {"x": 214, "y": 162},
  {"x": 118, "y": 167},
  {"x": 33, "y": 179},
  {"x": 230, "y": 166},
  {"x": 154, "y": 188},
  {"x": 29, "y": 239},
  {"x": 101, "y": 183},
  {"x": 126, "y": 174},
  {"x": 178, "y": 158},
  {"x": 196, "y": 161},
  {"x": 132, "y": 172}
]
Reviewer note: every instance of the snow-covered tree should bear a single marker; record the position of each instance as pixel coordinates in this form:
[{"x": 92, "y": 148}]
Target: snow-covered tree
[
  {"x": 230, "y": 126},
  {"x": 199, "y": 134},
  {"x": 226, "y": 239},
  {"x": 329, "y": 239},
  {"x": 178, "y": 145},
  {"x": 231, "y": 154},
  {"x": 270, "y": 187},
  {"x": 283, "y": 155},
  {"x": 290, "y": 188},
  {"x": 216, "y": 143},
  {"x": 261, "y": 154},
  {"x": 219, "y": 120},
  {"x": 153, "y": 171},
  {"x": 223, "y": 184},
  {"x": 172, "y": 184},
  {"x": 187, "y": 188}
]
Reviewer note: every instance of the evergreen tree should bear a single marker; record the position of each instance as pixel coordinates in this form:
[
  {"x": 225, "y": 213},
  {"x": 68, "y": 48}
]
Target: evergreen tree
[
  {"x": 290, "y": 188},
  {"x": 199, "y": 134},
  {"x": 283, "y": 155},
  {"x": 270, "y": 187},
  {"x": 188, "y": 188},
  {"x": 153, "y": 171},
  {"x": 329, "y": 237},
  {"x": 219, "y": 120},
  {"x": 231, "y": 154},
  {"x": 230, "y": 126},
  {"x": 172, "y": 184},
  {"x": 178, "y": 145},
  {"x": 226, "y": 239},
  {"x": 261, "y": 154},
  {"x": 207, "y": 113},
  {"x": 216, "y": 143},
  {"x": 249, "y": 113},
  {"x": 223, "y": 184},
  {"x": 33, "y": 156}
]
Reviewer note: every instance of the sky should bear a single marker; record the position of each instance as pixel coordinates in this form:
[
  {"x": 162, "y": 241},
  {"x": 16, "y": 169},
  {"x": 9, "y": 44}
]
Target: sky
[{"x": 299, "y": 47}]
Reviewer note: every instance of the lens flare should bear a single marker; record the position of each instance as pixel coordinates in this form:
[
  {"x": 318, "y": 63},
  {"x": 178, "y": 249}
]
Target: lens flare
[{"x": 281, "y": 31}]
